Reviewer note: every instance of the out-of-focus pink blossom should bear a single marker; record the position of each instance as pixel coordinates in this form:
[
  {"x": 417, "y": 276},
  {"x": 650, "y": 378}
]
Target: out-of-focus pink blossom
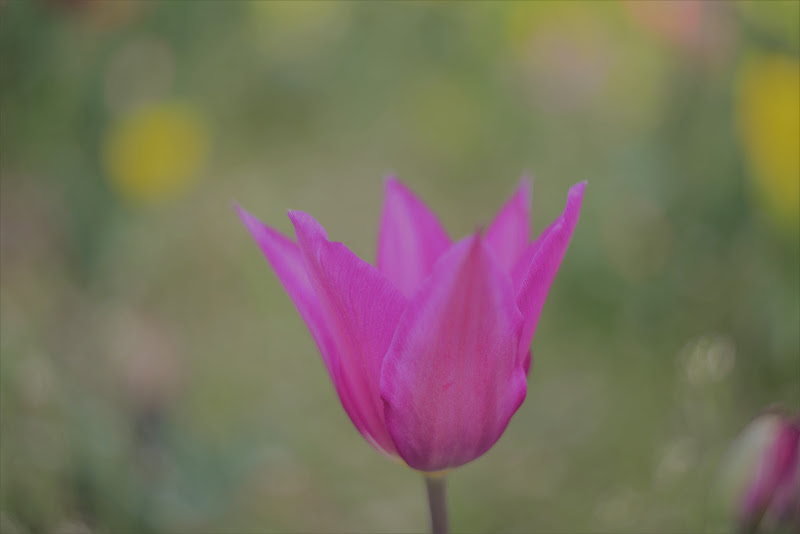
[
  {"x": 428, "y": 351},
  {"x": 772, "y": 498}
]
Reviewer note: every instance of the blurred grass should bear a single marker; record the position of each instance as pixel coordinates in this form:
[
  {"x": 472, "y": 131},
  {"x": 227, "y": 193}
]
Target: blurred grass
[{"x": 154, "y": 376}]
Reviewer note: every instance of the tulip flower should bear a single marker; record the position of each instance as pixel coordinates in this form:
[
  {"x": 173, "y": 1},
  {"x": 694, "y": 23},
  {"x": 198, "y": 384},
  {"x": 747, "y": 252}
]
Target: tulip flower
[
  {"x": 429, "y": 349},
  {"x": 771, "y": 500}
]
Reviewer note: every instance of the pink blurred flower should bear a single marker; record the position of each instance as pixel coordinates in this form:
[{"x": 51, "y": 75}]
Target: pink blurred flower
[
  {"x": 772, "y": 498},
  {"x": 429, "y": 351}
]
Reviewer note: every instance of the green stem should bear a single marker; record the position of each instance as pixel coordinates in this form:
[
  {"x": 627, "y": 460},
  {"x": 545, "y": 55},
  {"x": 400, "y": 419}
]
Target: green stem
[{"x": 437, "y": 502}]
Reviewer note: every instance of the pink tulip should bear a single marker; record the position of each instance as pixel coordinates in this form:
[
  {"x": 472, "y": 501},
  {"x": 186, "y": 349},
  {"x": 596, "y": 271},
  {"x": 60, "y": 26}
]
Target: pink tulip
[
  {"x": 772, "y": 499},
  {"x": 428, "y": 351}
]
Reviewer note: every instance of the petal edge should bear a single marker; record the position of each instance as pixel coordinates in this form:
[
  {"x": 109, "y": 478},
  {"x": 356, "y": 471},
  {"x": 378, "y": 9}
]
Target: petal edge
[{"x": 544, "y": 264}]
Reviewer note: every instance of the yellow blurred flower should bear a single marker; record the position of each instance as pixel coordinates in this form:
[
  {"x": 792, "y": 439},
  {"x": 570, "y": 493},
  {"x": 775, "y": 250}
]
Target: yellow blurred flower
[
  {"x": 155, "y": 152},
  {"x": 768, "y": 108}
]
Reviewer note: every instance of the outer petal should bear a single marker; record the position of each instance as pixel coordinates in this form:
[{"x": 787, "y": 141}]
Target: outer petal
[
  {"x": 286, "y": 259},
  {"x": 451, "y": 380},
  {"x": 523, "y": 263},
  {"x": 546, "y": 259},
  {"x": 509, "y": 232},
  {"x": 361, "y": 310},
  {"x": 520, "y": 271},
  {"x": 411, "y": 238}
]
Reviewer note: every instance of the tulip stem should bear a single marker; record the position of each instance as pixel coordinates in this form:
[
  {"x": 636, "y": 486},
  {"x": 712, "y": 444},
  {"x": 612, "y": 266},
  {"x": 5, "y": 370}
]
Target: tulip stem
[{"x": 437, "y": 503}]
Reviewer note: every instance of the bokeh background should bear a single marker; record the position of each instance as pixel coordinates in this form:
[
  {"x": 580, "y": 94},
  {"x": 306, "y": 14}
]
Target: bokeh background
[{"x": 155, "y": 377}]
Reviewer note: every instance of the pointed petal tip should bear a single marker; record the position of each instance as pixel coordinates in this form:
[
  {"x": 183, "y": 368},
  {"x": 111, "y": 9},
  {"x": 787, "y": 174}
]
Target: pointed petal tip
[
  {"x": 300, "y": 219},
  {"x": 476, "y": 247},
  {"x": 392, "y": 184},
  {"x": 296, "y": 215},
  {"x": 578, "y": 188},
  {"x": 251, "y": 222},
  {"x": 239, "y": 209},
  {"x": 575, "y": 196},
  {"x": 525, "y": 184},
  {"x": 525, "y": 192},
  {"x": 475, "y": 241},
  {"x": 469, "y": 241},
  {"x": 307, "y": 227},
  {"x": 262, "y": 233}
]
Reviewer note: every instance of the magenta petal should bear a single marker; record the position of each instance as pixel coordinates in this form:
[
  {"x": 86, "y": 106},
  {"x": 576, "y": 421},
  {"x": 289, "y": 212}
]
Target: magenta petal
[
  {"x": 287, "y": 261},
  {"x": 451, "y": 380},
  {"x": 546, "y": 258},
  {"x": 361, "y": 309},
  {"x": 523, "y": 263},
  {"x": 509, "y": 232},
  {"x": 411, "y": 238}
]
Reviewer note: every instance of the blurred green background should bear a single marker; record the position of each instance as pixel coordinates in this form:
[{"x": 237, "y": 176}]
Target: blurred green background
[{"x": 155, "y": 377}]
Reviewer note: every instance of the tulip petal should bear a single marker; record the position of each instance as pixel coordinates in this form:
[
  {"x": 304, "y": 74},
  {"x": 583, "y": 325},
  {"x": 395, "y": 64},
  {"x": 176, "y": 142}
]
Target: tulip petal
[
  {"x": 509, "y": 232},
  {"x": 361, "y": 309},
  {"x": 287, "y": 261},
  {"x": 451, "y": 380},
  {"x": 411, "y": 238},
  {"x": 523, "y": 263},
  {"x": 546, "y": 255}
]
